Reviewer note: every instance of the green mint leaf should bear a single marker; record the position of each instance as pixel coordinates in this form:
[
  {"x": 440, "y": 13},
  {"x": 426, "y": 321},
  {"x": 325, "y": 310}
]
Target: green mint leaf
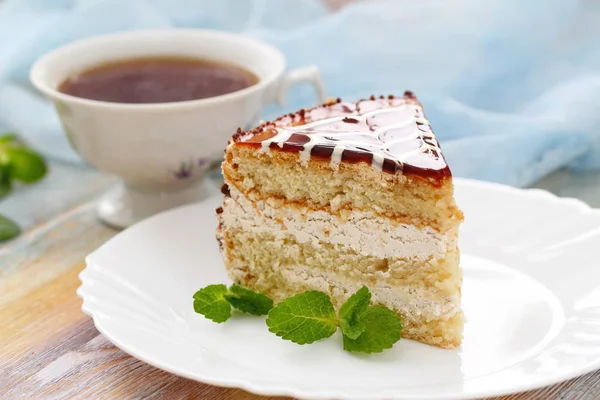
[
  {"x": 248, "y": 301},
  {"x": 8, "y": 229},
  {"x": 383, "y": 329},
  {"x": 351, "y": 312},
  {"x": 210, "y": 302},
  {"x": 8, "y": 138},
  {"x": 25, "y": 165},
  {"x": 303, "y": 318},
  {"x": 5, "y": 181}
]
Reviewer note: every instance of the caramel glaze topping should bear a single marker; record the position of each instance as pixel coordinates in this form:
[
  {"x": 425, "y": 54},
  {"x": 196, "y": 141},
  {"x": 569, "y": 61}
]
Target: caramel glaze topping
[{"x": 391, "y": 133}]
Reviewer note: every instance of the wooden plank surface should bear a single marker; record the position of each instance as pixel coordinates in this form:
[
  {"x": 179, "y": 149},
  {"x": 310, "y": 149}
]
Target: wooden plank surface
[{"x": 51, "y": 350}]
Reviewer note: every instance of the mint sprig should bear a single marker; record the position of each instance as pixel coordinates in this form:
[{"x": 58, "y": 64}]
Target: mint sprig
[
  {"x": 382, "y": 330},
  {"x": 308, "y": 317},
  {"x": 304, "y": 318},
  {"x": 248, "y": 301},
  {"x": 20, "y": 163},
  {"x": 352, "y": 311},
  {"x": 210, "y": 302},
  {"x": 215, "y": 302},
  {"x": 25, "y": 165},
  {"x": 8, "y": 229},
  {"x": 5, "y": 181}
]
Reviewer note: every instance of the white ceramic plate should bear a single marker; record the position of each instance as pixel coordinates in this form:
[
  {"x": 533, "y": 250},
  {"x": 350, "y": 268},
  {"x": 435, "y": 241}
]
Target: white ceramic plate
[{"x": 531, "y": 297}]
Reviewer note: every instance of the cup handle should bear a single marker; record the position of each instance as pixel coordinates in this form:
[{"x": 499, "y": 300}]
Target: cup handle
[{"x": 310, "y": 74}]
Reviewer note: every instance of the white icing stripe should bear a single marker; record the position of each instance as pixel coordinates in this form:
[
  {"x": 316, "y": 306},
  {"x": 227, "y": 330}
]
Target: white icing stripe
[
  {"x": 343, "y": 140},
  {"x": 377, "y": 162},
  {"x": 336, "y": 156},
  {"x": 359, "y": 117},
  {"x": 402, "y": 124}
]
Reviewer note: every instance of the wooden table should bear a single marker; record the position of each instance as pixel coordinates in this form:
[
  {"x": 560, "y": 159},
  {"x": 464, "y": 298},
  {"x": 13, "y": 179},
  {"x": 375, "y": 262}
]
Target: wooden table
[{"x": 51, "y": 350}]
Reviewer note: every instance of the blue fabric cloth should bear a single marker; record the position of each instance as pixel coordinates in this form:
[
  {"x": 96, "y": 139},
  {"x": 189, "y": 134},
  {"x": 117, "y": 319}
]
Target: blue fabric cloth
[{"x": 512, "y": 87}]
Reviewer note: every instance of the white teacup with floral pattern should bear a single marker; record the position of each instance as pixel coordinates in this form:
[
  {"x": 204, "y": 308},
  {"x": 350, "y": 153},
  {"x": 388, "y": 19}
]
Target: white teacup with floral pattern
[{"x": 161, "y": 151}]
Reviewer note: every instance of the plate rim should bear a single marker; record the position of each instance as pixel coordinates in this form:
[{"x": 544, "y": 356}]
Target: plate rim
[{"x": 283, "y": 390}]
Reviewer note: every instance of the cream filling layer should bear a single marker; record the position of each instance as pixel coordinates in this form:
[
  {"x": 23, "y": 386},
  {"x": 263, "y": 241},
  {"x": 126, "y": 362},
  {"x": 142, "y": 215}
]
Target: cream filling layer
[
  {"x": 413, "y": 303},
  {"x": 363, "y": 232}
]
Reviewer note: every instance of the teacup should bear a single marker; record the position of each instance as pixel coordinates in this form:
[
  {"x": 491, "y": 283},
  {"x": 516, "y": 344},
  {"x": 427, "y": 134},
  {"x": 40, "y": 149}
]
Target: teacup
[{"x": 162, "y": 151}]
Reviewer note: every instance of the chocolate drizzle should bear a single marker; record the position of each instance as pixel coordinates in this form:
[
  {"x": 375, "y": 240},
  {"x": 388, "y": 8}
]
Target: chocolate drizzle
[
  {"x": 390, "y": 133},
  {"x": 225, "y": 190}
]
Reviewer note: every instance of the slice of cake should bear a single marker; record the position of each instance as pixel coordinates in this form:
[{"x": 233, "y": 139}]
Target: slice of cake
[{"x": 343, "y": 195}]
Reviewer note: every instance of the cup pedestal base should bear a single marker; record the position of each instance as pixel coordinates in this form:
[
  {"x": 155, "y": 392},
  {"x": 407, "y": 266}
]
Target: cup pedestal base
[{"x": 124, "y": 206}]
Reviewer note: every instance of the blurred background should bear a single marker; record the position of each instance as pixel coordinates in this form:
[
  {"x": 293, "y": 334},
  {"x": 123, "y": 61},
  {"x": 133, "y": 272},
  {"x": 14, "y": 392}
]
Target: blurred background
[{"x": 512, "y": 88}]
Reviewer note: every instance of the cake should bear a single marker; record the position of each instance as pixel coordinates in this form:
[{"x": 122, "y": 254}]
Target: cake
[{"x": 343, "y": 195}]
